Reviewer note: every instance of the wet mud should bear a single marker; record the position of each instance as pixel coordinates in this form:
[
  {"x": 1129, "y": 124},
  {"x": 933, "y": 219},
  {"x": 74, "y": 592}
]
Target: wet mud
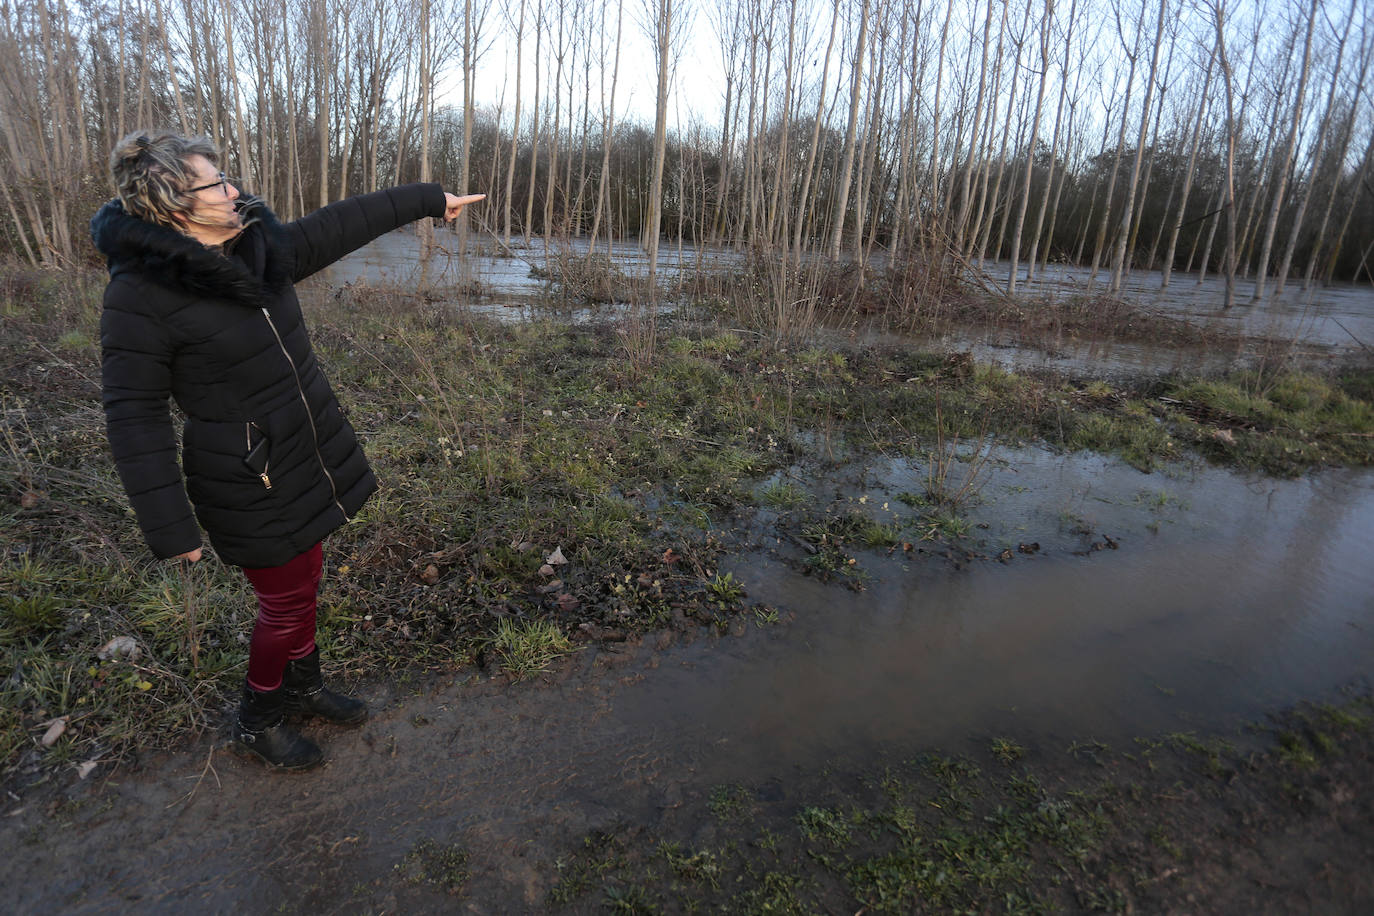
[{"x": 1090, "y": 602}]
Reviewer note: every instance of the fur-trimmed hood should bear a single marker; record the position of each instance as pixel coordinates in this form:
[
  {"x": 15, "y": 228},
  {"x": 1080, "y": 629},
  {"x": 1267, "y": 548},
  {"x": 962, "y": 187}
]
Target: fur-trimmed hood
[{"x": 176, "y": 260}]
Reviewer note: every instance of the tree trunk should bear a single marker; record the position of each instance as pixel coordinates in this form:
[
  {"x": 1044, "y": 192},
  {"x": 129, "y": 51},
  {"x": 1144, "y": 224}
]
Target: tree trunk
[
  {"x": 1128, "y": 214},
  {"x": 1045, "y": 23},
  {"x": 1286, "y": 159},
  {"x": 663, "y": 25},
  {"x": 607, "y": 132},
  {"x": 1228, "y": 199},
  {"x": 804, "y": 197},
  {"x": 1202, "y": 107},
  {"x": 847, "y": 168}
]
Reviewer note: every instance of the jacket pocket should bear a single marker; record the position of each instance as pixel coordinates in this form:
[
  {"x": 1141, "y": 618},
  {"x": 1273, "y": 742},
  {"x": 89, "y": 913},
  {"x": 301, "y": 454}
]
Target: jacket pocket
[{"x": 258, "y": 454}]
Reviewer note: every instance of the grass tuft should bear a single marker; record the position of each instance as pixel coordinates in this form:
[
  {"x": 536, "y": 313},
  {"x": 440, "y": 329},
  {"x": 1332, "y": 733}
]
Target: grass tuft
[{"x": 527, "y": 648}]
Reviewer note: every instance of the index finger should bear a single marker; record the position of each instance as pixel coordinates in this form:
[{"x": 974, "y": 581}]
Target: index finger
[{"x": 470, "y": 199}]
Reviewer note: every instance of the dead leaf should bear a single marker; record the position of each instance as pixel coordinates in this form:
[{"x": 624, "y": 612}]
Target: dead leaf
[
  {"x": 55, "y": 729},
  {"x": 567, "y": 602},
  {"x": 546, "y": 570},
  {"x": 553, "y": 586},
  {"x": 556, "y": 558},
  {"x": 670, "y": 556},
  {"x": 29, "y": 499},
  {"x": 121, "y": 647},
  {"x": 431, "y": 574},
  {"x": 85, "y": 769}
]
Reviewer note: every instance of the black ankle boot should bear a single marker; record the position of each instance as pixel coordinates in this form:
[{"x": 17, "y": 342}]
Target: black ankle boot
[
  {"x": 262, "y": 730},
  {"x": 306, "y": 694}
]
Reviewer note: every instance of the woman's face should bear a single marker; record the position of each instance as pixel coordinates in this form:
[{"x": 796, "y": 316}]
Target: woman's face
[{"x": 214, "y": 204}]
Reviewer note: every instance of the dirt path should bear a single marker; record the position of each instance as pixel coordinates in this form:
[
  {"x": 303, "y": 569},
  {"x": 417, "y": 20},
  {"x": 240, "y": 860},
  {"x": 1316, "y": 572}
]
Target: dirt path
[{"x": 514, "y": 772}]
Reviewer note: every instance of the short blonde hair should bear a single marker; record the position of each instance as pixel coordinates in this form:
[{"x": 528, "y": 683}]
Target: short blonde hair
[{"x": 150, "y": 171}]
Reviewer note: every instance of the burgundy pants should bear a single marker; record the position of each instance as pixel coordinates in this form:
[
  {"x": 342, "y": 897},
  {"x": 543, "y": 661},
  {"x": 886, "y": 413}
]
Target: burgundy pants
[{"x": 285, "y": 629}]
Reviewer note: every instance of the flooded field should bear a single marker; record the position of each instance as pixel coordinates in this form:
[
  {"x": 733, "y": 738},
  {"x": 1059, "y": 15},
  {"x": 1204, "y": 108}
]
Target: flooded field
[
  {"x": 1124, "y": 604},
  {"x": 1324, "y": 325},
  {"x": 1081, "y": 603},
  {"x": 1339, "y": 316}
]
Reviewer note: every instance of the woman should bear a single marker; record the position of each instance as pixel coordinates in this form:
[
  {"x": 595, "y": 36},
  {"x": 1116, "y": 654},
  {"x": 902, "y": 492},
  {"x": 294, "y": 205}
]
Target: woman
[{"x": 200, "y": 306}]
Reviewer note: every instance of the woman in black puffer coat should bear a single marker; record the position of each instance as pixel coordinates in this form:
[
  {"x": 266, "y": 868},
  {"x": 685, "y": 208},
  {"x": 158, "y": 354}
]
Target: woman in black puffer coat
[{"x": 201, "y": 307}]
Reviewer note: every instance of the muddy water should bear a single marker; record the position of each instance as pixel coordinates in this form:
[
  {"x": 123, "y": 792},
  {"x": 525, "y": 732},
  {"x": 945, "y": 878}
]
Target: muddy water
[
  {"x": 1338, "y": 318},
  {"x": 1226, "y": 596}
]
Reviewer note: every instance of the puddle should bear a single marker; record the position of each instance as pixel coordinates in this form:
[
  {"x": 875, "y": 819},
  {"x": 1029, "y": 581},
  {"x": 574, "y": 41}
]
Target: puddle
[{"x": 1225, "y": 597}]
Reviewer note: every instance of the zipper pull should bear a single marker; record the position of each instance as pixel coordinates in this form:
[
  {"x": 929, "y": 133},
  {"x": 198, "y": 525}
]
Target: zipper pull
[{"x": 266, "y": 481}]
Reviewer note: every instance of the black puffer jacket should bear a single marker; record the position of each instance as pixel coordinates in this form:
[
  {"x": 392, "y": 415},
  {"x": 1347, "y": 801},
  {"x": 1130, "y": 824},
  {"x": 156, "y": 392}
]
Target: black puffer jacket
[{"x": 271, "y": 464}]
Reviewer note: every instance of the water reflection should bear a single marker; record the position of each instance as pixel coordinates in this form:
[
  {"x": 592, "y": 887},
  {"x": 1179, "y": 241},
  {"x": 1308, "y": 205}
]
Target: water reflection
[{"x": 1229, "y": 596}]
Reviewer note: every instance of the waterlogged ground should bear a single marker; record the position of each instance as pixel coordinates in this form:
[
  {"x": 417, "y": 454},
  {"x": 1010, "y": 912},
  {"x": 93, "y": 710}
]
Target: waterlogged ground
[
  {"x": 1311, "y": 326},
  {"x": 1088, "y": 606},
  {"x": 1339, "y": 316}
]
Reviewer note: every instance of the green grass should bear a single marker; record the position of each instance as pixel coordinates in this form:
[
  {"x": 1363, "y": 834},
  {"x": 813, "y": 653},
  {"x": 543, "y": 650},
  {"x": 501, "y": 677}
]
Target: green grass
[
  {"x": 782, "y": 494},
  {"x": 943, "y": 525},
  {"x": 436, "y": 864},
  {"x": 1007, "y": 750},
  {"x": 731, "y": 803},
  {"x": 527, "y": 648}
]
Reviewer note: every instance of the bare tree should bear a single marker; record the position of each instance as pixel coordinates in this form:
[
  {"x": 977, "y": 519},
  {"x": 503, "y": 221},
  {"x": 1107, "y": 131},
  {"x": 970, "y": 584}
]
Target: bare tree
[
  {"x": 1123, "y": 237},
  {"x": 847, "y": 168},
  {"x": 1285, "y": 160},
  {"x": 1219, "y": 12},
  {"x": 1366, "y": 54},
  {"x": 1046, "y": 26},
  {"x": 660, "y": 27},
  {"x": 1203, "y": 104},
  {"x": 607, "y": 131}
]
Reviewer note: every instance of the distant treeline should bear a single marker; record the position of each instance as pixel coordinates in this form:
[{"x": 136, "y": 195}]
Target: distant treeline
[{"x": 1228, "y": 136}]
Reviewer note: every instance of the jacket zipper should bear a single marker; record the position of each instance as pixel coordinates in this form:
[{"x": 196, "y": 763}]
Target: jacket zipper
[
  {"x": 314, "y": 433},
  {"x": 248, "y": 438}
]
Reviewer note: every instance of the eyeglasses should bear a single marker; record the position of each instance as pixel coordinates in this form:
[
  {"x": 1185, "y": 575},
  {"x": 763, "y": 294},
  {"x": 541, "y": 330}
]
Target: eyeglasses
[{"x": 222, "y": 183}]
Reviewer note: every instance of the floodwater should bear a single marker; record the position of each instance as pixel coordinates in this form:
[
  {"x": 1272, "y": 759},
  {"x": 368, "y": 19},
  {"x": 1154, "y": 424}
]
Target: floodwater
[
  {"x": 1226, "y": 596},
  {"x": 1328, "y": 321},
  {"x": 1339, "y": 316}
]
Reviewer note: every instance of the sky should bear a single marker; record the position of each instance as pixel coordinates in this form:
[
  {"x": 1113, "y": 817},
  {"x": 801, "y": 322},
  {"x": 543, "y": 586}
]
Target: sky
[{"x": 698, "y": 89}]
